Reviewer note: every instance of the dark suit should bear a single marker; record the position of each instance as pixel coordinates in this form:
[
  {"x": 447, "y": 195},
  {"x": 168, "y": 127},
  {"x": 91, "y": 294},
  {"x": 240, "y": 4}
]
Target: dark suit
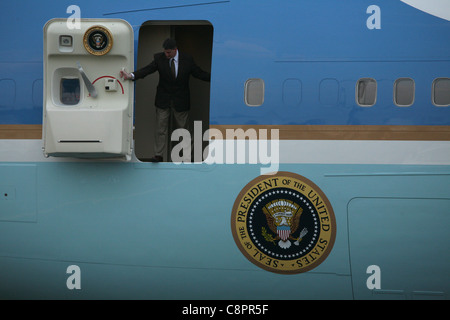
[{"x": 173, "y": 92}]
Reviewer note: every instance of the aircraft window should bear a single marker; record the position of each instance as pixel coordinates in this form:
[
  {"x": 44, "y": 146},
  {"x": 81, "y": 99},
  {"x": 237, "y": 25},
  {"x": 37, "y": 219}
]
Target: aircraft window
[
  {"x": 366, "y": 92},
  {"x": 254, "y": 92},
  {"x": 404, "y": 92},
  {"x": 70, "y": 91},
  {"x": 441, "y": 92}
]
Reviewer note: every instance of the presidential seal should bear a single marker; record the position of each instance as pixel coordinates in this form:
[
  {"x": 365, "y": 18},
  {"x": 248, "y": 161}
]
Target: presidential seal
[
  {"x": 98, "y": 40},
  {"x": 283, "y": 223}
]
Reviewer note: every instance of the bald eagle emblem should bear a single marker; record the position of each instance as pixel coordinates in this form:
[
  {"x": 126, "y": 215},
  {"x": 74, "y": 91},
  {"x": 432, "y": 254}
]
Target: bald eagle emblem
[
  {"x": 98, "y": 40},
  {"x": 283, "y": 219},
  {"x": 283, "y": 223}
]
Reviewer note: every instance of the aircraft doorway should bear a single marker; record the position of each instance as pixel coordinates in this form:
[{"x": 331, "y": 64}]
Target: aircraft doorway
[{"x": 193, "y": 37}]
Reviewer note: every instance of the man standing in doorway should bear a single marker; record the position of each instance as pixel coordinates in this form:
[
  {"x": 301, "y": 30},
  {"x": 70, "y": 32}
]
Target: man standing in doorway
[{"x": 172, "y": 93}]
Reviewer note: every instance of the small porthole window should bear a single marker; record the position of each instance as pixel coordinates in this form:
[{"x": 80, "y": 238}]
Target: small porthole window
[
  {"x": 254, "y": 92},
  {"x": 404, "y": 89},
  {"x": 441, "y": 92},
  {"x": 70, "y": 91},
  {"x": 366, "y": 92}
]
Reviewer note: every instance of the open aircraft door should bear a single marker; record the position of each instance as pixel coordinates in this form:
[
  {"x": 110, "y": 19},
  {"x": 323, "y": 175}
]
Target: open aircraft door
[{"x": 88, "y": 108}]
